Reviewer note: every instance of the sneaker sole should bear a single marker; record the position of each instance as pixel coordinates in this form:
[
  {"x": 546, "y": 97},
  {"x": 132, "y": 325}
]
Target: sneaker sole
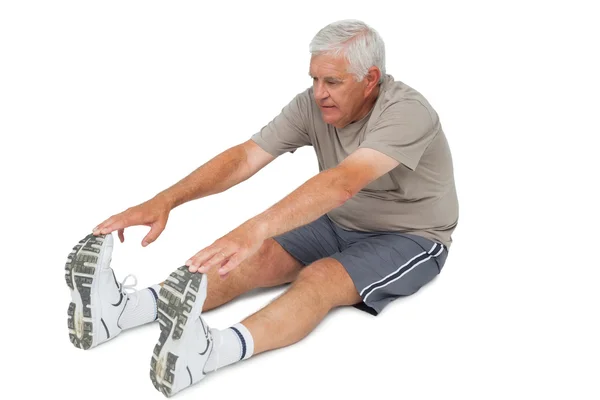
[
  {"x": 174, "y": 315},
  {"x": 80, "y": 272}
]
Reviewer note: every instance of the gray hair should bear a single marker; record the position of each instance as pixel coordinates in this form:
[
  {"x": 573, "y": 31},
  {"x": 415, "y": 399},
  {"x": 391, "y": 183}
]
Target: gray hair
[{"x": 359, "y": 43}]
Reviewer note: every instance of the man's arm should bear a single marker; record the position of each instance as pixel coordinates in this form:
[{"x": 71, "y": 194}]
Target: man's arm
[
  {"x": 323, "y": 192},
  {"x": 224, "y": 171},
  {"x": 229, "y": 168},
  {"x": 320, "y": 194}
]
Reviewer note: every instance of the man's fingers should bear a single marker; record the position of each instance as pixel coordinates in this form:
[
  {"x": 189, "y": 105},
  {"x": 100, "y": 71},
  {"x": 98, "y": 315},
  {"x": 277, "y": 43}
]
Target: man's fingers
[
  {"x": 155, "y": 231},
  {"x": 230, "y": 265},
  {"x": 196, "y": 260},
  {"x": 122, "y": 235},
  {"x": 119, "y": 223},
  {"x": 103, "y": 224},
  {"x": 215, "y": 261},
  {"x": 201, "y": 259}
]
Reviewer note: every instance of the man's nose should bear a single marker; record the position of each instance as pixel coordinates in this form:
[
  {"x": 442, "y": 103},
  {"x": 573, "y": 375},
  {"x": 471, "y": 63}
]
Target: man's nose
[{"x": 320, "y": 91}]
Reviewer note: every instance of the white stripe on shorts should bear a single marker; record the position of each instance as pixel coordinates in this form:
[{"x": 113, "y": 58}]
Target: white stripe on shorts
[{"x": 400, "y": 268}]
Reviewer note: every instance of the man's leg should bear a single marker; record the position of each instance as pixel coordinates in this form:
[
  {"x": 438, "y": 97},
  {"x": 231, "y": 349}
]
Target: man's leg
[
  {"x": 319, "y": 288},
  {"x": 331, "y": 282},
  {"x": 270, "y": 266},
  {"x": 188, "y": 349},
  {"x": 278, "y": 261}
]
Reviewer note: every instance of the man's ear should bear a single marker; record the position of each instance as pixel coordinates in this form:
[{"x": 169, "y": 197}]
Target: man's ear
[{"x": 372, "y": 79}]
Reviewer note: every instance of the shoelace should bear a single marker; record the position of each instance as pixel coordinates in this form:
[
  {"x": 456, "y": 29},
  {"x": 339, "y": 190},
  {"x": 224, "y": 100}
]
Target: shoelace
[{"x": 131, "y": 287}]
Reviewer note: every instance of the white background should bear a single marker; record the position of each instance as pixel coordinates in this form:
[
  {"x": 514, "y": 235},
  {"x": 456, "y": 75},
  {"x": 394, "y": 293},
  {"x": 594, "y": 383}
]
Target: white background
[{"x": 104, "y": 104}]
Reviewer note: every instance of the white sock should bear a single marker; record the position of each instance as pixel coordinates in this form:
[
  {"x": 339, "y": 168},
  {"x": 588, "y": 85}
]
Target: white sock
[
  {"x": 145, "y": 311},
  {"x": 231, "y": 345}
]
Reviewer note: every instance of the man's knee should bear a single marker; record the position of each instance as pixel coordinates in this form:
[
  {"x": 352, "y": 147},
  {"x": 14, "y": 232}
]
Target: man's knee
[
  {"x": 271, "y": 265},
  {"x": 328, "y": 282}
]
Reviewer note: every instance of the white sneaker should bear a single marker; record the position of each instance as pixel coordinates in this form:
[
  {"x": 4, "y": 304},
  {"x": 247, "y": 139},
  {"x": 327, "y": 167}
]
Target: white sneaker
[
  {"x": 185, "y": 341},
  {"x": 98, "y": 300}
]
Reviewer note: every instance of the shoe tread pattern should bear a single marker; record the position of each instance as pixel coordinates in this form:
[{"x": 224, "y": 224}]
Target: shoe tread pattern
[
  {"x": 174, "y": 306},
  {"x": 82, "y": 260}
]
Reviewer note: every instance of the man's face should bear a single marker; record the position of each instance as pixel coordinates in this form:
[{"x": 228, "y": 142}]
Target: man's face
[{"x": 338, "y": 95}]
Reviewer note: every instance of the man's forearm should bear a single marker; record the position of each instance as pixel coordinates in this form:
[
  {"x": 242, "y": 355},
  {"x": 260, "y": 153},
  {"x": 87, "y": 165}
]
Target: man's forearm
[
  {"x": 217, "y": 175},
  {"x": 317, "y": 196}
]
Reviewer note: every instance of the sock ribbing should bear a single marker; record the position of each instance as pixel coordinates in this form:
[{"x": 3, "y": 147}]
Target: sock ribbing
[
  {"x": 231, "y": 345},
  {"x": 246, "y": 340}
]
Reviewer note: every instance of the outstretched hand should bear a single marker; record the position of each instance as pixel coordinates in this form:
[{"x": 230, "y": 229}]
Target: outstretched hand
[
  {"x": 153, "y": 213},
  {"x": 228, "y": 252}
]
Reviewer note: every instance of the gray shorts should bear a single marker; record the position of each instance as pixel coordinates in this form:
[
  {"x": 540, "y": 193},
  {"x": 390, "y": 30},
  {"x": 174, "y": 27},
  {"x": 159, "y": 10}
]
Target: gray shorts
[{"x": 382, "y": 265}]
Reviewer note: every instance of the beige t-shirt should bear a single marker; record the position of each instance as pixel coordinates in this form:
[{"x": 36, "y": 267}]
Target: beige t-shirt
[{"x": 416, "y": 197}]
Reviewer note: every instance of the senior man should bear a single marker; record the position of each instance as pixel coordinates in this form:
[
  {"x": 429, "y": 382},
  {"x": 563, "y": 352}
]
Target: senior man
[{"x": 373, "y": 225}]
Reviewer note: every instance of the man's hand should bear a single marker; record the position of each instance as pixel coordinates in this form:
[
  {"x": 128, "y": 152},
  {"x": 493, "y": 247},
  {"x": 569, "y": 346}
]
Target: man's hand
[
  {"x": 229, "y": 251},
  {"x": 153, "y": 213}
]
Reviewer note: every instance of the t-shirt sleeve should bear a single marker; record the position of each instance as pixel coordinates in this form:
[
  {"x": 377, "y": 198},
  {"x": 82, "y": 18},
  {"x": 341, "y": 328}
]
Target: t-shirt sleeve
[
  {"x": 403, "y": 131},
  {"x": 288, "y": 131}
]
